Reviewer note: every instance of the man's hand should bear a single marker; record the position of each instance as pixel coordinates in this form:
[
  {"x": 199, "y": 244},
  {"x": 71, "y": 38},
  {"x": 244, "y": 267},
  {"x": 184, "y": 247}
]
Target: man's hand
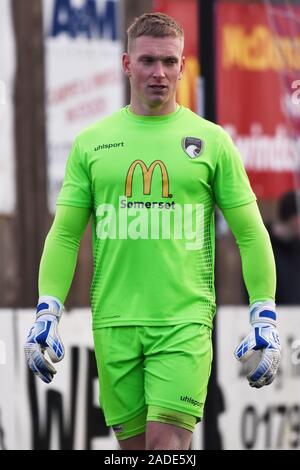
[
  {"x": 264, "y": 338},
  {"x": 43, "y": 336}
]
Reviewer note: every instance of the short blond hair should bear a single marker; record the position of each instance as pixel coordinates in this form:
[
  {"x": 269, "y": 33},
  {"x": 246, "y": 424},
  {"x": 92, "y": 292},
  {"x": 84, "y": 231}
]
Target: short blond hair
[{"x": 157, "y": 25}]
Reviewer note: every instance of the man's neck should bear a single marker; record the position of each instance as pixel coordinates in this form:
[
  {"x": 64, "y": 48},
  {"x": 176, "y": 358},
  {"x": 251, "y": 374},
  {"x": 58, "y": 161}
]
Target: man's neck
[{"x": 144, "y": 110}]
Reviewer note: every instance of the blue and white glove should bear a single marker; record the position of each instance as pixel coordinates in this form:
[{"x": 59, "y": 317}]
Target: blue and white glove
[
  {"x": 265, "y": 339},
  {"x": 43, "y": 336}
]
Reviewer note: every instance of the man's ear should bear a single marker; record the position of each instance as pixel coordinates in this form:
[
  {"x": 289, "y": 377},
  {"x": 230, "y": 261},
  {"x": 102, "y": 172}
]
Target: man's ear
[
  {"x": 126, "y": 64},
  {"x": 182, "y": 68}
]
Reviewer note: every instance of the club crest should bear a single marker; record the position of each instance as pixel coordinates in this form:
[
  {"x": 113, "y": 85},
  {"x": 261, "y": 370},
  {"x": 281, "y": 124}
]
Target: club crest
[{"x": 192, "y": 146}]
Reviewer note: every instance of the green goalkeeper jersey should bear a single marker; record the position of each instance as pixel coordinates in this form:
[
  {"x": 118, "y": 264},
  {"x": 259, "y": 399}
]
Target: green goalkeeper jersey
[{"x": 152, "y": 183}]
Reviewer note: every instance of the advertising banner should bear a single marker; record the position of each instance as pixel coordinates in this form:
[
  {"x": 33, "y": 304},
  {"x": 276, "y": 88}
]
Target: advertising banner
[
  {"x": 62, "y": 415},
  {"x": 66, "y": 415},
  {"x": 7, "y": 72},
  {"x": 9, "y": 381},
  {"x": 257, "y": 62},
  {"x": 83, "y": 74}
]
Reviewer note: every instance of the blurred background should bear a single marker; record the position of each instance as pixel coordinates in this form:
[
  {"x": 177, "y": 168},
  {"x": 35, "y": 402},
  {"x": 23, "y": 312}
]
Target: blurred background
[{"x": 60, "y": 70}]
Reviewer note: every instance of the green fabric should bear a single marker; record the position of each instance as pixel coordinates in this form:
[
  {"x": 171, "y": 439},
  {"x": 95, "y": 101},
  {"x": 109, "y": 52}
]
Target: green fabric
[
  {"x": 132, "y": 427},
  {"x": 177, "y": 418},
  {"x": 256, "y": 251},
  {"x": 137, "y": 425},
  {"x": 60, "y": 251},
  {"x": 165, "y": 366},
  {"x": 146, "y": 275}
]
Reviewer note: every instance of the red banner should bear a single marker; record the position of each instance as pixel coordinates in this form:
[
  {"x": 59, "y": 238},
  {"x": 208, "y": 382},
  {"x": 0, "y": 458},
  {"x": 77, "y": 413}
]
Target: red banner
[{"x": 255, "y": 67}]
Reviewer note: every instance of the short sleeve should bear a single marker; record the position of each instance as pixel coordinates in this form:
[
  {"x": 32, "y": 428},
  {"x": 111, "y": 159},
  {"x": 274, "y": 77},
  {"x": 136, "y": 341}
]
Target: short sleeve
[
  {"x": 231, "y": 185},
  {"x": 76, "y": 188}
]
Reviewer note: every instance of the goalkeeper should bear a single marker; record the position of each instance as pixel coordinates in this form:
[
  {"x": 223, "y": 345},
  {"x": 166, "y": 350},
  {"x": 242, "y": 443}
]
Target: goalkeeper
[{"x": 153, "y": 296}]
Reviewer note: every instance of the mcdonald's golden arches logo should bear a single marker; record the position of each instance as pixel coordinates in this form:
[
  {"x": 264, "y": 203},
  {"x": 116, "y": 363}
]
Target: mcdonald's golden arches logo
[{"x": 147, "y": 177}]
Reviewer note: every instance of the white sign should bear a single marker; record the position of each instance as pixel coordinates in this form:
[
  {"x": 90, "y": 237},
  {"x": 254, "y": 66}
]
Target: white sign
[
  {"x": 9, "y": 378},
  {"x": 64, "y": 414},
  {"x": 266, "y": 418},
  {"x": 83, "y": 74},
  {"x": 7, "y": 71}
]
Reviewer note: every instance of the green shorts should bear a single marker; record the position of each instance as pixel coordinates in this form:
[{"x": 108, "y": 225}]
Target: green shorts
[{"x": 157, "y": 367}]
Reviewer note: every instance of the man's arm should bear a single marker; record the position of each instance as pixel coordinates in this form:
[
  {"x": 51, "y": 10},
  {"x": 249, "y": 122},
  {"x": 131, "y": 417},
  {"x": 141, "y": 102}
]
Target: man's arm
[
  {"x": 56, "y": 273},
  {"x": 59, "y": 257},
  {"x": 253, "y": 240},
  {"x": 260, "y": 278}
]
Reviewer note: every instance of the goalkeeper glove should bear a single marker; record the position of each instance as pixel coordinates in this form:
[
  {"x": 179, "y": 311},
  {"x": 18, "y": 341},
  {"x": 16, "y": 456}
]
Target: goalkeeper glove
[
  {"x": 43, "y": 336},
  {"x": 263, "y": 338}
]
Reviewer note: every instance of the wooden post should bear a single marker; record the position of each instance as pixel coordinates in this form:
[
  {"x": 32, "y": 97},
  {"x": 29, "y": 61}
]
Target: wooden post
[{"x": 32, "y": 214}]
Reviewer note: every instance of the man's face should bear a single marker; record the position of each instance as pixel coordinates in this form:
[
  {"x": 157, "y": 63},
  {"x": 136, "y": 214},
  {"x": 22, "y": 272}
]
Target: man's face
[{"x": 154, "y": 66}]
